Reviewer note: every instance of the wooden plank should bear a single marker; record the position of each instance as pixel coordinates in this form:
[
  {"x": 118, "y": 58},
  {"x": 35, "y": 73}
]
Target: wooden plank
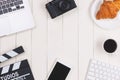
[
  {"x": 54, "y": 40},
  {"x": 86, "y": 30},
  {"x": 39, "y": 40},
  {"x": 55, "y": 44},
  {"x": 70, "y": 42}
]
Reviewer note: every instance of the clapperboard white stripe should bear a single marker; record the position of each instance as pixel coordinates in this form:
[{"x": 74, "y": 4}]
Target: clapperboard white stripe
[
  {"x": 2, "y": 59},
  {"x": 11, "y": 54},
  {"x": 5, "y": 69},
  {"x": 16, "y": 66}
]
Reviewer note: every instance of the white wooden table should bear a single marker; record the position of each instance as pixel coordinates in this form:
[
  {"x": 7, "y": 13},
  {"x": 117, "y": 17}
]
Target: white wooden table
[{"x": 73, "y": 37}]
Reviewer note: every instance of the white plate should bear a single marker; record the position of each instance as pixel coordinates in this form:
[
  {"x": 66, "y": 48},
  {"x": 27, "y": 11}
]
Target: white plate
[{"x": 104, "y": 23}]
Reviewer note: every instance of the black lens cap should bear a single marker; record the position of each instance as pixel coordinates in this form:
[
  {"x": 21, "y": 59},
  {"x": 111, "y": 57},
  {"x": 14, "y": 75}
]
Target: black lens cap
[{"x": 110, "y": 46}]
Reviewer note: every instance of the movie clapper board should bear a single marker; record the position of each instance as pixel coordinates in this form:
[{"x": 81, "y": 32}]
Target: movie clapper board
[{"x": 17, "y": 71}]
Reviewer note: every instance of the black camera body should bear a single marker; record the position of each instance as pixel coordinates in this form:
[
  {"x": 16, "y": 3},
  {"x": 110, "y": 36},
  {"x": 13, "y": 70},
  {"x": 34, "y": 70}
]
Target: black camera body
[{"x": 58, "y": 7}]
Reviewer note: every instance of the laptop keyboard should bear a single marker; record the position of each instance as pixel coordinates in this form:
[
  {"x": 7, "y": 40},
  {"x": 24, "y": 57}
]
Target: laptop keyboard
[
  {"x": 98, "y": 70},
  {"x": 7, "y": 6}
]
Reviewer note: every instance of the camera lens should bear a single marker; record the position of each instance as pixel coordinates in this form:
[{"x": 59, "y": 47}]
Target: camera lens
[
  {"x": 110, "y": 45},
  {"x": 64, "y": 5}
]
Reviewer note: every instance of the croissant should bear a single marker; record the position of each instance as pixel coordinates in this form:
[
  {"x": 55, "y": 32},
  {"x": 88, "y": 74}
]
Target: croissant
[{"x": 108, "y": 10}]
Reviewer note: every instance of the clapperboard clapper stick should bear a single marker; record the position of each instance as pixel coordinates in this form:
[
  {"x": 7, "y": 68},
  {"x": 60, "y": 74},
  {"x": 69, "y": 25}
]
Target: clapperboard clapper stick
[
  {"x": 11, "y": 54},
  {"x": 17, "y": 71}
]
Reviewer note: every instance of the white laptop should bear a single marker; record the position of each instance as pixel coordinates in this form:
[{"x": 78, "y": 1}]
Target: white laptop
[{"x": 15, "y": 16}]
